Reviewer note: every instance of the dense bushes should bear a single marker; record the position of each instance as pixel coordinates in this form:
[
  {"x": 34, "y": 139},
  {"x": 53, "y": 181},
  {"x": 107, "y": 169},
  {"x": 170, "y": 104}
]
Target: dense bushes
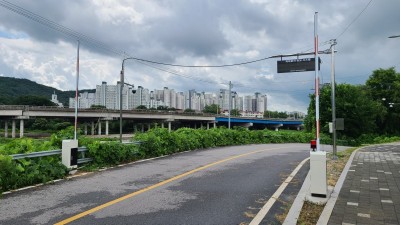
[
  {"x": 159, "y": 141},
  {"x": 20, "y": 173},
  {"x": 156, "y": 142},
  {"x": 112, "y": 153}
]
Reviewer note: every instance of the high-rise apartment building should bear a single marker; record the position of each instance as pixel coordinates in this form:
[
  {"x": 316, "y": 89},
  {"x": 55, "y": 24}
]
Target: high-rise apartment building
[
  {"x": 109, "y": 96},
  {"x": 85, "y": 100},
  {"x": 255, "y": 103}
]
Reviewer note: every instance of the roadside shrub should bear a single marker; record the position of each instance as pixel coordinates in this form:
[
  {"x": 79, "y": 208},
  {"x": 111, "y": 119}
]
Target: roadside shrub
[
  {"x": 8, "y": 173},
  {"x": 112, "y": 152},
  {"x": 20, "y": 173}
]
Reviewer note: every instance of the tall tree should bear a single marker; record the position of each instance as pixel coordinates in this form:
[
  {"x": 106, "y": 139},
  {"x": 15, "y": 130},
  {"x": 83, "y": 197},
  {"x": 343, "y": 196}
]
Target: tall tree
[
  {"x": 384, "y": 87},
  {"x": 353, "y": 104},
  {"x": 235, "y": 112}
]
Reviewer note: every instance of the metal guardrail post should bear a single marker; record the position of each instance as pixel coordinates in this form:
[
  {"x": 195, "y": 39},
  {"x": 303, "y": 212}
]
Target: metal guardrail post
[{"x": 81, "y": 150}]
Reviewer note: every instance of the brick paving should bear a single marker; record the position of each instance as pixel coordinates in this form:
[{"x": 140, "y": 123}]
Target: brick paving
[{"x": 371, "y": 191}]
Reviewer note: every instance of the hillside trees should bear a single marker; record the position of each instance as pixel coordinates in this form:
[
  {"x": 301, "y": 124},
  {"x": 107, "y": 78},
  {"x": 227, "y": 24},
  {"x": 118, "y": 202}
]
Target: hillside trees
[{"x": 33, "y": 101}]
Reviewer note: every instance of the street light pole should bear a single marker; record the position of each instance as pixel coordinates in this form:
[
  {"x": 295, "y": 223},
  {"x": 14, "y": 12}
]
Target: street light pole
[
  {"x": 121, "y": 83},
  {"x": 76, "y": 93},
  {"x": 333, "y": 87},
  {"x": 229, "y": 105}
]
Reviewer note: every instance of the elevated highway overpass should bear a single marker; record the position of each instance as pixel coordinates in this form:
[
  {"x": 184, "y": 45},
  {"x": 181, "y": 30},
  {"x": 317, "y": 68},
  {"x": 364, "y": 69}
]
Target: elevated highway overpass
[
  {"x": 261, "y": 123},
  {"x": 94, "y": 118}
]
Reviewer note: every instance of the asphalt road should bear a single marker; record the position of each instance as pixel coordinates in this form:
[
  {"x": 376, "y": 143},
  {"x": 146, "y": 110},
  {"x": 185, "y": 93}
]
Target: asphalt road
[{"x": 215, "y": 186}]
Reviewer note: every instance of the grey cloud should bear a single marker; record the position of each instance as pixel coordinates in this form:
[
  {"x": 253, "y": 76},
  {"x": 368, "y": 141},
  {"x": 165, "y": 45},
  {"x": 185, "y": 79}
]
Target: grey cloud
[{"x": 194, "y": 29}]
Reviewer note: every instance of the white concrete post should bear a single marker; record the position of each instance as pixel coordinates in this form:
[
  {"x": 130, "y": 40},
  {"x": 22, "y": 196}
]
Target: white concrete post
[
  {"x": 66, "y": 152},
  {"x": 208, "y": 125},
  {"x": 169, "y": 126},
  {"x": 106, "y": 127}
]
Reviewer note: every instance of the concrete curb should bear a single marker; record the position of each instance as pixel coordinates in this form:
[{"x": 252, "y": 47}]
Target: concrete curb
[
  {"x": 326, "y": 213},
  {"x": 297, "y": 205}
]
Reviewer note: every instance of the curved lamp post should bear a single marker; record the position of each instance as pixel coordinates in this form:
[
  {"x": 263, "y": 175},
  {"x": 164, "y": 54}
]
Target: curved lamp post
[{"x": 120, "y": 96}]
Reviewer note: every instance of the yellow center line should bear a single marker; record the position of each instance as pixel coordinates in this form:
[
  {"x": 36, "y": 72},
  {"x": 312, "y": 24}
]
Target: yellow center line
[{"x": 115, "y": 201}]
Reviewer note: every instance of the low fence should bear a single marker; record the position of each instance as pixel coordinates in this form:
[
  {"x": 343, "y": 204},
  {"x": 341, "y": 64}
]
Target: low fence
[{"x": 81, "y": 153}]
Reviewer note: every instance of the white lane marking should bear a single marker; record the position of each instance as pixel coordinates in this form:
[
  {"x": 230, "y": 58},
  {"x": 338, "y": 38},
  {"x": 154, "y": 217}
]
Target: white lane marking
[
  {"x": 264, "y": 210},
  {"x": 352, "y": 203}
]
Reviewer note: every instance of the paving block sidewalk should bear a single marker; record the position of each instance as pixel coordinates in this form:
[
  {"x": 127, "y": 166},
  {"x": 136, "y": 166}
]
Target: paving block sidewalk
[{"x": 371, "y": 191}]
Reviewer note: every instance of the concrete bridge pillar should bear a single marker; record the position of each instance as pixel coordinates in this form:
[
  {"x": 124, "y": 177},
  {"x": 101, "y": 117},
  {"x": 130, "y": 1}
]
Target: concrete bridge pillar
[
  {"x": 215, "y": 125},
  {"x": 13, "y": 129},
  {"x": 247, "y": 125},
  {"x": 106, "y": 127},
  {"x": 92, "y": 127},
  {"x": 162, "y": 125},
  {"x": 169, "y": 126},
  {"x": 142, "y": 127},
  {"x": 135, "y": 128},
  {"x": 148, "y": 126},
  {"x": 21, "y": 128},
  {"x": 277, "y": 127},
  {"x": 208, "y": 125},
  {"x": 6, "y": 129},
  {"x": 85, "y": 128},
  {"x": 99, "y": 131}
]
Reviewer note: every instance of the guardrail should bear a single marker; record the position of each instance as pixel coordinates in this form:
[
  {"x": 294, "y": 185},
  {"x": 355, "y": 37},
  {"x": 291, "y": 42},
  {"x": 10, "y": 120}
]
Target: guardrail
[{"x": 81, "y": 150}]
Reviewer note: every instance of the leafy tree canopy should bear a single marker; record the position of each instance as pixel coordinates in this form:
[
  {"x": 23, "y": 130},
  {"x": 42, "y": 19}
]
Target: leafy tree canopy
[
  {"x": 213, "y": 109},
  {"x": 141, "y": 107},
  {"x": 275, "y": 114},
  {"x": 189, "y": 111}
]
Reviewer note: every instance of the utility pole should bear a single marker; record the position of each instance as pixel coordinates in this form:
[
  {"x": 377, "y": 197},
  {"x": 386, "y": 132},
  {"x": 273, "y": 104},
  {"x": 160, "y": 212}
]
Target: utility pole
[
  {"x": 229, "y": 105},
  {"x": 76, "y": 93},
  {"x": 333, "y": 87},
  {"x": 121, "y": 83}
]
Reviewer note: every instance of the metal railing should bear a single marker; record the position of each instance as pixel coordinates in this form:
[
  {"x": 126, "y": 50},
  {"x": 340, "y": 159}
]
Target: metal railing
[{"x": 81, "y": 151}]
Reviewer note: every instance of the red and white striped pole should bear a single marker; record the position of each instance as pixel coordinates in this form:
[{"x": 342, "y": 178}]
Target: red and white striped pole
[{"x": 316, "y": 79}]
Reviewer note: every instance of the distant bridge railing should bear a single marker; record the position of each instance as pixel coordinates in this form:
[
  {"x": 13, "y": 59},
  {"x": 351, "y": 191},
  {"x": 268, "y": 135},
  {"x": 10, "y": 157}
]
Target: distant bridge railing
[{"x": 65, "y": 109}]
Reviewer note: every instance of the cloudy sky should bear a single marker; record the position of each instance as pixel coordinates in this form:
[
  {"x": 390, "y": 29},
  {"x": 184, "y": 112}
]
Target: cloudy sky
[{"x": 198, "y": 32}]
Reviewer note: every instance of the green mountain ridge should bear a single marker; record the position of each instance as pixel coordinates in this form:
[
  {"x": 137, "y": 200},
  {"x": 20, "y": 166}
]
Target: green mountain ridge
[{"x": 11, "y": 88}]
